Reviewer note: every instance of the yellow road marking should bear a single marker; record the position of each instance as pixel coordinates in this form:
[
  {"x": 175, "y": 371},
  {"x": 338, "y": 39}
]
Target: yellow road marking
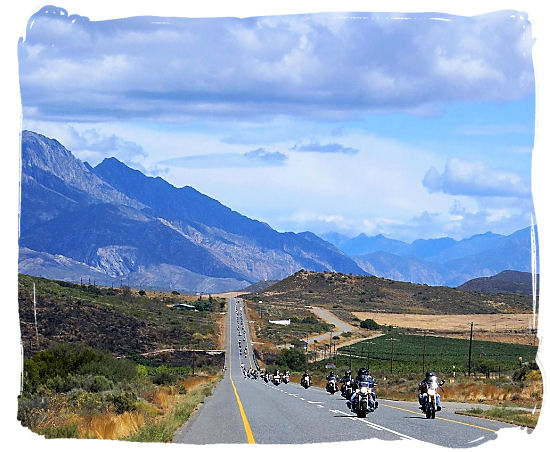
[
  {"x": 442, "y": 418},
  {"x": 248, "y": 431},
  {"x": 249, "y": 435}
]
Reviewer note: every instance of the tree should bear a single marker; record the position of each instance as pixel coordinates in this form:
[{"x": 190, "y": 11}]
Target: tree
[
  {"x": 292, "y": 359},
  {"x": 369, "y": 324}
]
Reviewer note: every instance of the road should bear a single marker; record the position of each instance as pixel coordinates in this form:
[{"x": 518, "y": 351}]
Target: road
[
  {"x": 241, "y": 410},
  {"x": 341, "y": 326}
]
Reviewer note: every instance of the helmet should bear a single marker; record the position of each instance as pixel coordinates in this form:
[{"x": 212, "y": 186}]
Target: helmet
[
  {"x": 362, "y": 371},
  {"x": 331, "y": 372},
  {"x": 348, "y": 373},
  {"x": 430, "y": 374}
]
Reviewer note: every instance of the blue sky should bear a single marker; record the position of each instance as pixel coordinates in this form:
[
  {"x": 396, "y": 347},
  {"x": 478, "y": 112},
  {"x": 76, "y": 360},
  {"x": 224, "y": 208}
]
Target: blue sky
[{"x": 409, "y": 125}]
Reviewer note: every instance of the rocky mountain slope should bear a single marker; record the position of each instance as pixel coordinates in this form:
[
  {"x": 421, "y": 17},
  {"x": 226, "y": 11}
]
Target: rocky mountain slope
[
  {"x": 115, "y": 220},
  {"x": 442, "y": 261}
]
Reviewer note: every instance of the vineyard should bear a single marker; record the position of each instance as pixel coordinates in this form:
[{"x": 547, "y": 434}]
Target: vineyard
[{"x": 416, "y": 353}]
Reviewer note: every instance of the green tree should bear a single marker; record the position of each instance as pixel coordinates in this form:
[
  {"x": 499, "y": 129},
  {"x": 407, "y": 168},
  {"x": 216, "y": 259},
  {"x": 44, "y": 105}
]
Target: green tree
[{"x": 292, "y": 359}]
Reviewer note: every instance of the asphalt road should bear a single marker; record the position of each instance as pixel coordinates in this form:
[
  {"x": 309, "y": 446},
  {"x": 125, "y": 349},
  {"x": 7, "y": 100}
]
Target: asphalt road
[
  {"x": 329, "y": 317},
  {"x": 242, "y": 410}
]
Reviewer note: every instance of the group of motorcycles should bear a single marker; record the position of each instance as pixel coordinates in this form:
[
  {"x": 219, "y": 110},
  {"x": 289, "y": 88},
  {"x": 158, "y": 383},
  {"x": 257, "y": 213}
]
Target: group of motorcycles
[{"x": 360, "y": 393}]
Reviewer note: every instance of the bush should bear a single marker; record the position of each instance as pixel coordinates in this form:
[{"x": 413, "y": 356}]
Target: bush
[
  {"x": 369, "y": 324},
  {"x": 64, "y": 367},
  {"x": 292, "y": 359},
  {"x": 123, "y": 401},
  {"x": 141, "y": 292}
]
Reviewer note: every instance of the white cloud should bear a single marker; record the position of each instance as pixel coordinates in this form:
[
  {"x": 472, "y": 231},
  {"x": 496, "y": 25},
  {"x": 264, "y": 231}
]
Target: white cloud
[
  {"x": 467, "y": 178},
  {"x": 325, "y": 65}
]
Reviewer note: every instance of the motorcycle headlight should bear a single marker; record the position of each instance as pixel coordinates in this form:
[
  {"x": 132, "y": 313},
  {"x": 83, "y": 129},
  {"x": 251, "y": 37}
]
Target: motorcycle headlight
[
  {"x": 363, "y": 390},
  {"x": 431, "y": 392}
]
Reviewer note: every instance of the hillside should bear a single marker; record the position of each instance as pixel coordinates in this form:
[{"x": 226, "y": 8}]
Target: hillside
[
  {"x": 111, "y": 319},
  {"x": 505, "y": 282},
  {"x": 369, "y": 293},
  {"x": 115, "y": 220},
  {"x": 260, "y": 285}
]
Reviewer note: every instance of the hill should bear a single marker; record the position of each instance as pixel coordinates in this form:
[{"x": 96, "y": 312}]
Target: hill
[
  {"x": 117, "y": 320},
  {"x": 117, "y": 221},
  {"x": 508, "y": 281},
  {"x": 370, "y": 293},
  {"x": 259, "y": 286}
]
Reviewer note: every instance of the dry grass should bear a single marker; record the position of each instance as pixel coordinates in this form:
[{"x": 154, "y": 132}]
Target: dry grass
[
  {"x": 511, "y": 328},
  {"x": 110, "y": 426},
  {"x": 528, "y": 394}
]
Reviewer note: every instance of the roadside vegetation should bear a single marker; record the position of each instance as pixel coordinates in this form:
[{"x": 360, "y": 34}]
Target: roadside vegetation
[
  {"x": 77, "y": 392},
  {"x": 512, "y": 416},
  {"x": 121, "y": 320},
  {"x": 114, "y": 363}
]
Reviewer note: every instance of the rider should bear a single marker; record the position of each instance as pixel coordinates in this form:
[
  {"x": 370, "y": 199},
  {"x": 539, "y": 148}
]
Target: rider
[
  {"x": 305, "y": 374},
  {"x": 363, "y": 375},
  {"x": 423, "y": 389},
  {"x": 347, "y": 377},
  {"x": 332, "y": 376}
]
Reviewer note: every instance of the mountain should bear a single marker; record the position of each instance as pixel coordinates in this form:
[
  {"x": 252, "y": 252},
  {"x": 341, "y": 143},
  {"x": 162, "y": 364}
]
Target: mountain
[
  {"x": 115, "y": 220},
  {"x": 402, "y": 268},
  {"x": 363, "y": 244},
  {"x": 507, "y": 281},
  {"x": 489, "y": 255}
]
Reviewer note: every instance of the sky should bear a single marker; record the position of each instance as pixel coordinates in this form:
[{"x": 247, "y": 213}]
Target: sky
[{"x": 413, "y": 125}]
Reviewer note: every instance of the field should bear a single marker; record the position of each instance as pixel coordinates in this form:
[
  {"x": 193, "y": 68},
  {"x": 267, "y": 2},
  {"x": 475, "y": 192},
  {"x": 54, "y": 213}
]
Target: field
[
  {"x": 442, "y": 354},
  {"x": 511, "y": 328}
]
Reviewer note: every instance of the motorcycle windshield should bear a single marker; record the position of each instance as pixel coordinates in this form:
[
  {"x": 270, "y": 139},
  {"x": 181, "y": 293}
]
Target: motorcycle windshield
[{"x": 432, "y": 383}]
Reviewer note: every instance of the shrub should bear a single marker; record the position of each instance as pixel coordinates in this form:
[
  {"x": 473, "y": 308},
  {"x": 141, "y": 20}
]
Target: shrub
[
  {"x": 141, "y": 292},
  {"x": 369, "y": 324},
  {"x": 123, "y": 401},
  {"x": 292, "y": 359}
]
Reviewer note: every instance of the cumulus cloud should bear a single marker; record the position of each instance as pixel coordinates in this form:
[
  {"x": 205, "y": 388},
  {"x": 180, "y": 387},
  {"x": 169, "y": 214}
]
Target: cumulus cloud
[
  {"x": 320, "y": 64},
  {"x": 462, "y": 177},
  {"x": 252, "y": 159},
  {"x": 332, "y": 148}
]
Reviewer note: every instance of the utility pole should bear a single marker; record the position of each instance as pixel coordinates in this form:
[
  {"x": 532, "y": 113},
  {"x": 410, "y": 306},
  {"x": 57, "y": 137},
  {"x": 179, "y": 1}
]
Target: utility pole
[
  {"x": 368, "y": 353},
  {"x": 470, "y": 351},
  {"x": 391, "y": 359}
]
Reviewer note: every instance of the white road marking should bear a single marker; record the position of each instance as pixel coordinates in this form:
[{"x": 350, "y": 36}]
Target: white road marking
[
  {"x": 309, "y": 401},
  {"x": 301, "y": 398},
  {"x": 476, "y": 440},
  {"x": 376, "y": 426}
]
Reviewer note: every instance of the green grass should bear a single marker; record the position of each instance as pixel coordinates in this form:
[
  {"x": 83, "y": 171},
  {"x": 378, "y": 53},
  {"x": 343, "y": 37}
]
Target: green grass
[
  {"x": 441, "y": 354},
  {"x": 517, "y": 417}
]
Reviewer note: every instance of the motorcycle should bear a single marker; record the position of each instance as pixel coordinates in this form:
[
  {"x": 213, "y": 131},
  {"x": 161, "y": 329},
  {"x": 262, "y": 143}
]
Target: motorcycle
[
  {"x": 430, "y": 398},
  {"x": 306, "y": 382},
  {"x": 347, "y": 389},
  {"x": 286, "y": 379},
  {"x": 363, "y": 402},
  {"x": 332, "y": 386},
  {"x": 276, "y": 380},
  {"x": 266, "y": 377}
]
